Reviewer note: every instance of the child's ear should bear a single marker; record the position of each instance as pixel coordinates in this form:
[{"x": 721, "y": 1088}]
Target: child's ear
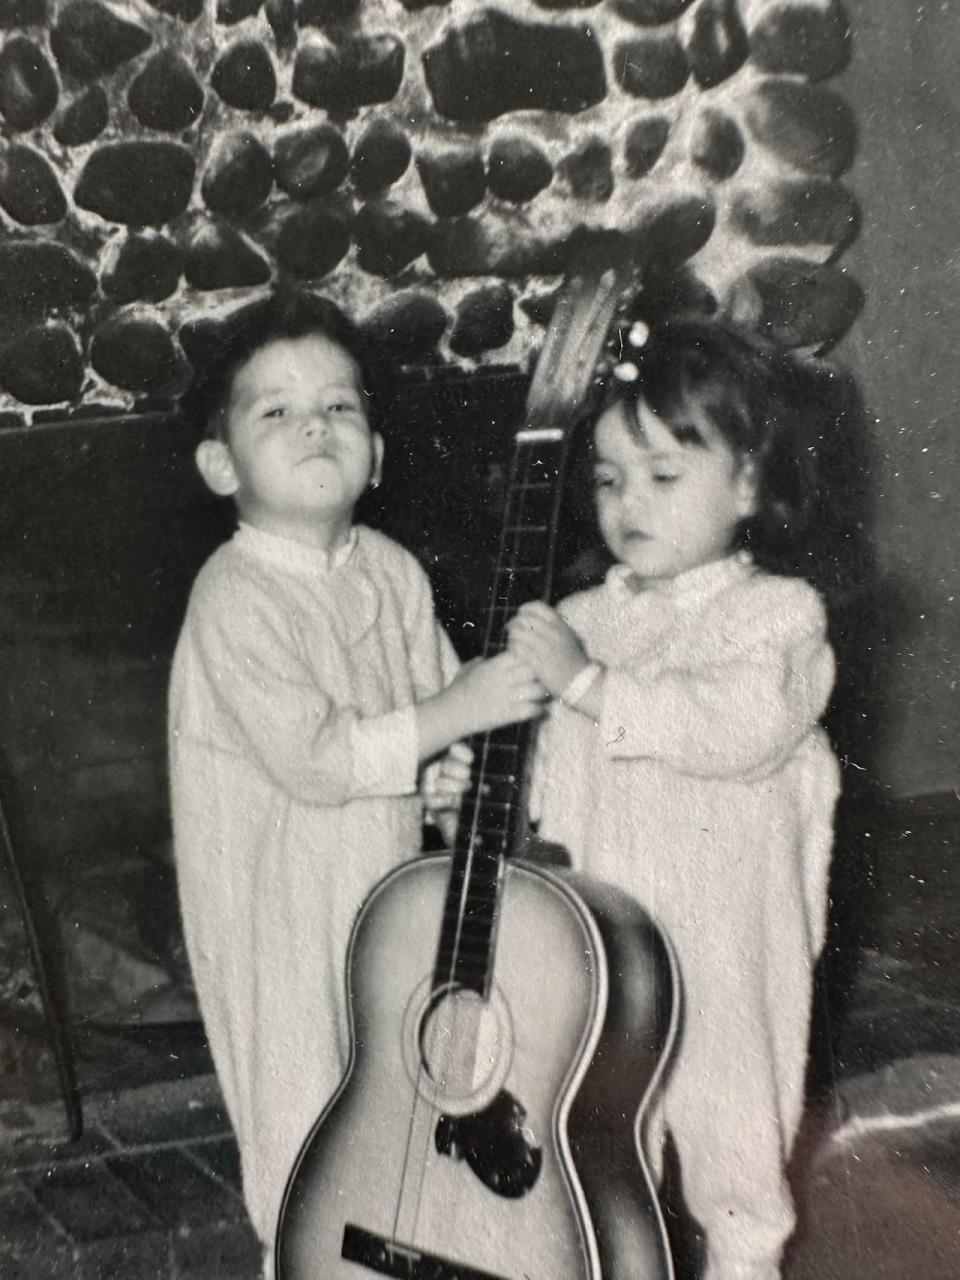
[
  {"x": 377, "y": 459},
  {"x": 748, "y": 489},
  {"x": 215, "y": 464}
]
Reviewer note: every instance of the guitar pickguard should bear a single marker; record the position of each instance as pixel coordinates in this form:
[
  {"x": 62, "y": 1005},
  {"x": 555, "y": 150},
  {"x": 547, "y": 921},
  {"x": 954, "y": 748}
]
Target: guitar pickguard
[{"x": 495, "y": 1145}]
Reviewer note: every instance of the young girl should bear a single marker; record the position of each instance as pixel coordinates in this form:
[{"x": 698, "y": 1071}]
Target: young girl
[
  {"x": 310, "y": 683},
  {"x": 682, "y": 759}
]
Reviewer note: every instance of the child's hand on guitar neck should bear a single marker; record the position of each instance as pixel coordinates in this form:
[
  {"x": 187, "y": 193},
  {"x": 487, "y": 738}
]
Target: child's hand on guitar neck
[
  {"x": 541, "y": 639},
  {"x": 484, "y": 695},
  {"x": 444, "y": 782}
]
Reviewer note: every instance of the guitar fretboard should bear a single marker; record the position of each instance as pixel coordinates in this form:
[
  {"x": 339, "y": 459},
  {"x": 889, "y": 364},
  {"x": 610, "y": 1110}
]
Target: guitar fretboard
[{"x": 490, "y": 814}]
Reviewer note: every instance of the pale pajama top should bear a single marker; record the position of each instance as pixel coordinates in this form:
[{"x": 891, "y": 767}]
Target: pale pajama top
[
  {"x": 294, "y": 769},
  {"x": 707, "y": 792}
]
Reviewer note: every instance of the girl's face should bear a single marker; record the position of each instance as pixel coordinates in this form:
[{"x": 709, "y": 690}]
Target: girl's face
[
  {"x": 299, "y": 447},
  {"x": 667, "y": 501}
]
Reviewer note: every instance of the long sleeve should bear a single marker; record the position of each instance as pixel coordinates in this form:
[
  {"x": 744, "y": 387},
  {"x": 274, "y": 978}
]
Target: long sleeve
[
  {"x": 741, "y": 703},
  {"x": 317, "y": 751},
  {"x": 433, "y": 660}
]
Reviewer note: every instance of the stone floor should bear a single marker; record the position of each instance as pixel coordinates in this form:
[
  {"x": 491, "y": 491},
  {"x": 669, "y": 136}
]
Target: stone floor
[{"x": 151, "y": 1191}]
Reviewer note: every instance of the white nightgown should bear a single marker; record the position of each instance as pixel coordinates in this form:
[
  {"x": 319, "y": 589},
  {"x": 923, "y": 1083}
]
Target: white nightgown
[
  {"x": 294, "y": 789},
  {"x": 707, "y": 792}
]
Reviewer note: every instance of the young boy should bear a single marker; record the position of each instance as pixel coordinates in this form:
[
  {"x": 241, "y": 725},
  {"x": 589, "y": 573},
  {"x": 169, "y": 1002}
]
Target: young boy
[{"x": 310, "y": 683}]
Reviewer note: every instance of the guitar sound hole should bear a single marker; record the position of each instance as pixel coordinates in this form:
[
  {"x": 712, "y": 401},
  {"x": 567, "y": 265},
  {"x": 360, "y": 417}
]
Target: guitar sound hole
[{"x": 461, "y": 1044}]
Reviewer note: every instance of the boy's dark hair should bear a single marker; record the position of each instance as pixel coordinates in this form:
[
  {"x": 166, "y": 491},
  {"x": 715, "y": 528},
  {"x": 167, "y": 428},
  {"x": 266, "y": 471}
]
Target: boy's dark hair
[
  {"x": 287, "y": 314},
  {"x": 770, "y": 407}
]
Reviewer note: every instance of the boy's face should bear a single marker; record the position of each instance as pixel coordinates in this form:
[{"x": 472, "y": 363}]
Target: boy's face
[
  {"x": 299, "y": 451},
  {"x": 665, "y": 504}
]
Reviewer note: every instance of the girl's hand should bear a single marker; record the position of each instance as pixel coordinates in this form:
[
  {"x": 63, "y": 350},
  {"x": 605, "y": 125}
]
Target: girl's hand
[
  {"x": 444, "y": 782},
  {"x": 541, "y": 638}
]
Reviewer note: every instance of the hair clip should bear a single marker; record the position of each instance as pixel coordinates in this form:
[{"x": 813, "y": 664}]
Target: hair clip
[{"x": 639, "y": 333}]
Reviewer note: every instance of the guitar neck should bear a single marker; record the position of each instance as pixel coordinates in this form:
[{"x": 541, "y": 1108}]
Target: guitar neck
[{"x": 490, "y": 817}]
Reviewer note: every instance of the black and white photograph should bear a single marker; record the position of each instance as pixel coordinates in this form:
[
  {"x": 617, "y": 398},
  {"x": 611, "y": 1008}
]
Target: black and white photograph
[{"x": 479, "y": 730}]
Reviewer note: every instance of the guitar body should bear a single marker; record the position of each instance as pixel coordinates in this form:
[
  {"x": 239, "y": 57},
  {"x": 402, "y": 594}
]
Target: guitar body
[{"x": 492, "y": 1138}]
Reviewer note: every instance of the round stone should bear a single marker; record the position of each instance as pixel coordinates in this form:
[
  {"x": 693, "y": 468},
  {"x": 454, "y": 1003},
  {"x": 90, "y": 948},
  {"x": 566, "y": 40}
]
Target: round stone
[
  {"x": 653, "y": 66},
  {"x": 408, "y": 327},
  {"x": 220, "y": 258},
  {"x": 29, "y": 191},
  {"x": 807, "y": 125},
  {"x": 17, "y": 14},
  {"x": 231, "y": 11},
  {"x": 165, "y": 94},
  {"x": 201, "y": 340},
  {"x": 491, "y": 63},
  {"x": 40, "y": 278},
  {"x": 136, "y": 354},
  {"x": 42, "y": 365},
  {"x": 89, "y": 40},
  {"x": 282, "y": 17},
  {"x": 142, "y": 184},
  {"x": 797, "y": 211},
  {"x": 185, "y": 10},
  {"x": 311, "y": 162},
  {"x": 145, "y": 269},
  {"x": 244, "y": 77},
  {"x": 313, "y": 239},
  {"x": 238, "y": 176},
  {"x": 484, "y": 320},
  {"x": 453, "y": 181},
  {"x": 351, "y": 74},
  {"x": 797, "y": 303},
  {"x": 389, "y": 237},
  {"x": 84, "y": 119},
  {"x": 320, "y": 13},
  {"x": 467, "y": 247},
  {"x": 716, "y": 144},
  {"x": 671, "y": 294},
  {"x": 810, "y": 40},
  {"x": 517, "y": 169},
  {"x": 650, "y": 12},
  {"x": 644, "y": 143},
  {"x": 589, "y": 171},
  {"x": 28, "y": 86},
  {"x": 668, "y": 232},
  {"x": 718, "y": 43},
  {"x": 382, "y": 155}
]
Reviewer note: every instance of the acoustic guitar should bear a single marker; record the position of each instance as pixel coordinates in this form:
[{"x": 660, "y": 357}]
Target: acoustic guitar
[{"x": 509, "y": 1024}]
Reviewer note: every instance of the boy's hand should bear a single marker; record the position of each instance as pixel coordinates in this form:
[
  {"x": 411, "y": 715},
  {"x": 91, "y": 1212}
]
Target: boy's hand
[
  {"x": 444, "y": 782},
  {"x": 482, "y": 696},
  {"x": 541, "y": 638},
  {"x": 496, "y": 692}
]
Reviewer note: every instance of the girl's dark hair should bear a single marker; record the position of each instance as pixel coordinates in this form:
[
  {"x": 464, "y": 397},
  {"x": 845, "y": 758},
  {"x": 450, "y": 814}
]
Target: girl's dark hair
[
  {"x": 771, "y": 408},
  {"x": 294, "y": 314}
]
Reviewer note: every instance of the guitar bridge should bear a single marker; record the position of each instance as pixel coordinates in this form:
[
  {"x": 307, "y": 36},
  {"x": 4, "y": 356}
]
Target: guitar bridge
[{"x": 390, "y": 1258}]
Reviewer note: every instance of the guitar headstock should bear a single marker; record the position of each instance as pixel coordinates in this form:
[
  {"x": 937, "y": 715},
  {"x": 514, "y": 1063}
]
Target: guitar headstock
[{"x": 575, "y": 337}]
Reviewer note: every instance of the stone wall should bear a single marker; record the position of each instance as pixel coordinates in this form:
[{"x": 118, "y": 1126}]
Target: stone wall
[{"x": 425, "y": 163}]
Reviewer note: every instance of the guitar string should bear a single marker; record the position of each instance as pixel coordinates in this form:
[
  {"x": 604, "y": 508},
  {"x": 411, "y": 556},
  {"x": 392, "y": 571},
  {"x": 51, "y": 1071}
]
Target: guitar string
[{"x": 514, "y": 514}]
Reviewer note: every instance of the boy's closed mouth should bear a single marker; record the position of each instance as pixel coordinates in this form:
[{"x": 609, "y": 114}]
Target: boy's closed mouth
[
  {"x": 635, "y": 535},
  {"x": 324, "y": 455}
]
